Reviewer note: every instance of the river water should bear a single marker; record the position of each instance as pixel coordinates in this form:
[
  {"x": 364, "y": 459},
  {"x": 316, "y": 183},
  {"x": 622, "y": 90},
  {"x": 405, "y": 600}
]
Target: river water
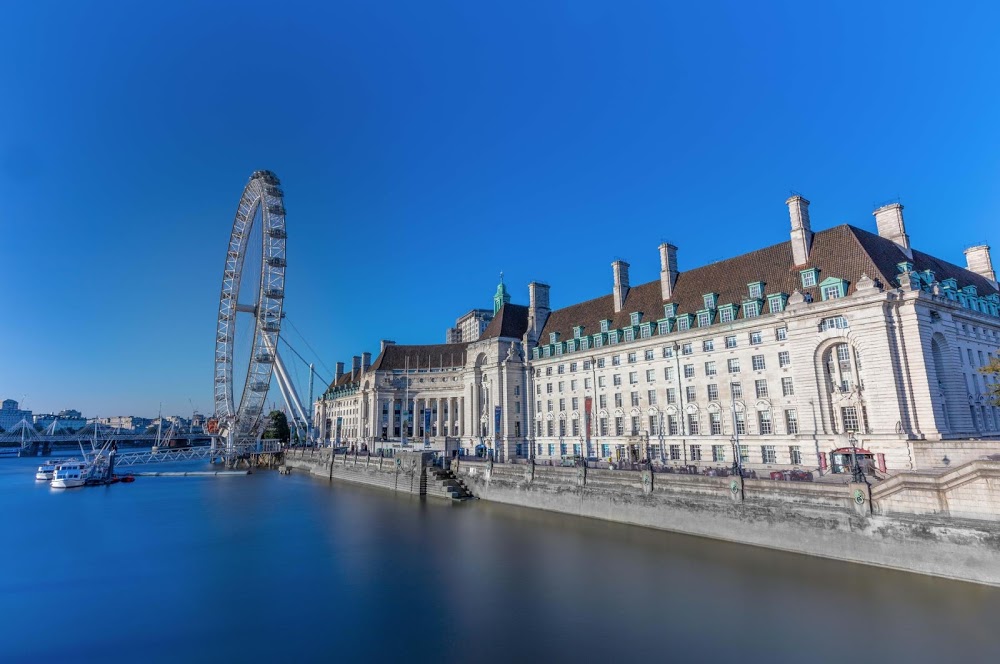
[{"x": 293, "y": 569}]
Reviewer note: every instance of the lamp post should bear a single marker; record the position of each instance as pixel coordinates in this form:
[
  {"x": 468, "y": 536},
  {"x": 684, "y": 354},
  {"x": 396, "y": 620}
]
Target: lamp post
[
  {"x": 857, "y": 474},
  {"x": 735, "y": 442}
]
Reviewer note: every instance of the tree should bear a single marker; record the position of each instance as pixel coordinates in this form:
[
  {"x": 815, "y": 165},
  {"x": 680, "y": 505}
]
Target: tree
[
  {"x": 993, "y": 369},
  {"x": 277, "y": 427}
]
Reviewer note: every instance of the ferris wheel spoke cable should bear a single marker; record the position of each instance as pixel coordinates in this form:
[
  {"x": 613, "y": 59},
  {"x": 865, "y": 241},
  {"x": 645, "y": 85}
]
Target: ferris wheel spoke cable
[{"x": 319, "y": 359}]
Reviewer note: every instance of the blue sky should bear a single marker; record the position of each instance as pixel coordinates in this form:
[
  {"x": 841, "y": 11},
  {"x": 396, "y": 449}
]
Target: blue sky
[{"x": 424, "y": 147}]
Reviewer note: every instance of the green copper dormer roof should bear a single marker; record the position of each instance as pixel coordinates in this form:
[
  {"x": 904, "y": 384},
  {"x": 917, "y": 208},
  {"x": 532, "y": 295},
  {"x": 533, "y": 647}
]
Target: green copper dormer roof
[{"x": 501, "y": 298}]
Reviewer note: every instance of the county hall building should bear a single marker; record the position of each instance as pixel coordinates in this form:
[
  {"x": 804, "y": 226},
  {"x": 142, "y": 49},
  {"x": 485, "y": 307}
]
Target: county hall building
[{"x": 779, "y": 353}]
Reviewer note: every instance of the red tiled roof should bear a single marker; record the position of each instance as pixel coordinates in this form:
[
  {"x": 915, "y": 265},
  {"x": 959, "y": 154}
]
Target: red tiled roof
[{"x": 510, "y": 322}]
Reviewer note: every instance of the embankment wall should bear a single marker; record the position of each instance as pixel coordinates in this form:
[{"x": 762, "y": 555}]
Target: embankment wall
[
  {"x": 893, "y": 525},
  {"x": 405, "y": 472}
]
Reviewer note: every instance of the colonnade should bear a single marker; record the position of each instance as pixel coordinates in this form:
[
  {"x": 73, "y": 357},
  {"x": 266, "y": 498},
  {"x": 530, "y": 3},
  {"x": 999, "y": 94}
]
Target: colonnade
[{"x": 452, "y": 425}]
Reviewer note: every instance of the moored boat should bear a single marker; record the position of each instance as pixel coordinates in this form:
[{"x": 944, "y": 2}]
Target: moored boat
[
  {"x": 46, "y": 470},
  {"x": 70, "y": 475}
]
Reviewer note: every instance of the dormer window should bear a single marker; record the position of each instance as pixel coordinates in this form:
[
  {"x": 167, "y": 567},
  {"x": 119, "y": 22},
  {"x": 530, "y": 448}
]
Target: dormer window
[
  {"x": 629, "y": 334},
  {"x": 751, "y": 309},
  {"x": 949, "y": 284},
  {"x": 578, "y": 331},
  {"x": 927, "y": 276},
  {"x": 727, "y": 313},
  {"x": 613, "y": 336},
  {"x": 808, "y": 277},
  {"x": 704, "y": 318},
  {"x": 663, "y": 327},
  {"x": 553, "y": 337},
  {"x": 684, "y": 322},
  {"x": 669, "y": 310},
  {"x": 776, "y": 303},
  {"x": 904, "y": 267},
  {"x": 635, "y": 317},
  {"x": 709, "y": 300},
  {"x": 756, "y": 290},
  {"x": 833, "y": 288},
  {"x": 605, "y": 325},
  {"x": 970, "y": 290}
]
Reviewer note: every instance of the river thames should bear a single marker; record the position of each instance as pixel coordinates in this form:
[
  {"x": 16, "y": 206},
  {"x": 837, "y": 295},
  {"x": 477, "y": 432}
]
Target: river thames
[{"x": 276, "y": 568}]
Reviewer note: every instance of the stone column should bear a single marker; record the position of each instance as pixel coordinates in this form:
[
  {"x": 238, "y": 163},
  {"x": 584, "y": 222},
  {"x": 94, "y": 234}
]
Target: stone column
[{"x": 440, "y": 416}]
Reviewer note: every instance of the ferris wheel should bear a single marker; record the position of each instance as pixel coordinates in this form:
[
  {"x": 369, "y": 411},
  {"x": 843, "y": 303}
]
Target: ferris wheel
[{"x": 253, "y": 289}]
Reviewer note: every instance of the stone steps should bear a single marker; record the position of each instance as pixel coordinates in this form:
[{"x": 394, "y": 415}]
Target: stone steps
[{"x": 443, "y": 483}]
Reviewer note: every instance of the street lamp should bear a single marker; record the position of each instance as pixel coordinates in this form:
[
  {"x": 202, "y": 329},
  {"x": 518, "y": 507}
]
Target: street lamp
[
  {"x": 735, "y": 442},
  {"x": 857, "y": 474}
]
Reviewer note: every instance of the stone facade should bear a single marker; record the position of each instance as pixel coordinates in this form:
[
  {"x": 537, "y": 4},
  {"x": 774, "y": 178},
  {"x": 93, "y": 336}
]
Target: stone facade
[{"x": 782, "y": 352}]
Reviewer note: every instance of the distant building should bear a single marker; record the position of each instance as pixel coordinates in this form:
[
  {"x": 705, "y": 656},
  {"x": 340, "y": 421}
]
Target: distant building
[
  {"x": 471, "y": 326},
  {"x": 69, "y": 420},
  {"x": 130, "y": 423},
  {"x": 10, "y": 415}
]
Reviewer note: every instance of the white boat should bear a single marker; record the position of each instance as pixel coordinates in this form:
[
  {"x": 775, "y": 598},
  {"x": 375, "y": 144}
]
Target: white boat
[
  {"x": 9, "y": 451},
  {"x": 70, "y": 474},
  {"x": 46, "y": 470}
]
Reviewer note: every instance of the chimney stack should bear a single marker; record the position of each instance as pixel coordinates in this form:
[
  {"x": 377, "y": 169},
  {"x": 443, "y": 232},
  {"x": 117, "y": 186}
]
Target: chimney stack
[
  {"x": 355, "y": 365},
  {"x": 620, "y": 270},
  {"x": 979, "y": 261},
  {"x": 889, "y": 219},
  {"x": 668, "y": 270},
  {"x": 538, "y": 308},
  {"x": 383, "y": 344},
  {"x": 366, "y": 360},
  {"x": 802, "y": 235},
  {"x": 340, "y": 371}
]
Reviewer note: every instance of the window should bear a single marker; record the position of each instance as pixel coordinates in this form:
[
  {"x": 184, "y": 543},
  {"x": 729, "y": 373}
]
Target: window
[
  {"x": 751, "y": 309},
  {"x": 713, "y": 392},
  {"x": 808, "y": 278},
  {"x": 718, "y": 453},
  {"x": 631, "y": 358},
  {"x": 850, "y": 416},
  {"x": 695, "y": 452},
  {"x": 764, "y": 420},
  {"x": 734, "y": 364},
  {"x": 561, "y": 369},
  {"x": 689, "y": 371},
  {"x": 548, "y": 388},
  {"x": 605, "y": 324},
  {"x": 651, "y": 397},
  {"x": 731, "y": 341},
  {"x": 671, "y": 395},
  {"x": 649, "y": 354},
  {"x": 668, "y": 373},
  {"x": 781, "y": 334},
  {"x": 619, "y": 426},
  {"x": 562, "y": 384},
  {"x": 601, "y": 381},
  {"x": 645, "y": 330},
  {"x": 741, "y": 429},
  {"x": 616, "y": 360},
  {"x": 635, "y": 398},
  {"x": 708, "y": 345},
  {"x": 616, "y": 379},
  {"x": 548, "y": 405},
  {"x": 618, "y": 399},
  {"x": 787, "y": 389},
  {"x": 635, "y": 425},
  {"x": 572, "y": 367},
  {"x": 572, "y": 385},
  {"x": 686, "y": 349},
  {"x": 562, "y": 405},
  {"x": 604, "y": 427},
  {"x": 634, "y": 318},
  {"x": 755, "y": 338},
  {"x": 684, "y": 323},
  {"x": 831, "y": 292},
  {"x": 668, "y": 351},
  {"x": 736, "y": 390},
  {"x": 767, "y": 454},
  {"x": 795, "y": 454},
  {"x": 715, "y": 421},
  {"x": 758, "y": 362},
  {"x": 761, "y": 387},
  {"x": 784, "y": 359},
  {"x": 834, "y": 323},
  {"x": 690, "y": 393},
  {"x": 538, "y": 406},
  {"x": 672, "y": 431},
  {"x": 548, "y": 371},
  {"x": 704, "y": 319},
  {"x": 549, "y": 428},
  {"x": 633, "y": 377},
  {"x": 710, "y": 369},
  {"x": 693, "y": 424},
  {"x": 744, "y": 453},
  {"x": 662, "y": 327},
  {"x": 575, "y": 429},
  {"x": 602, "y": 401},
  {"x": 675, "y": 452},
  {"x": 755, "y": 289},
  {"x": 776, "y": 303},
  {"x": 600, "y": 363},
  {"x": 726, "y": 315},
  {"x": 654, "y": 429},
  {"x": 587, "y": 383},
  {"x": 575, "y": 403},
  {"x": 709, "y": 300},
  {"x": 650, "y": 375}
]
